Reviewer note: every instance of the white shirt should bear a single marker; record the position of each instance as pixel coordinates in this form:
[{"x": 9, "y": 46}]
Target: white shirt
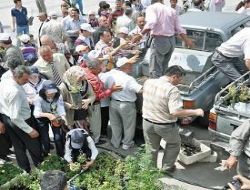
[
  {"x": 104, "y": 78},
  {"x": 145, "y": 3},
  {"x": 244, "y": 11},
  {"x": 7, "y": 75},
  {"x": 123, "y": 21},
  {"x": 216, "y": 5},
  {"x": 32, "y": 90},
  {"x": 14, "y": 104},
  {"x": 238, "y": 45},
  {"x": 129, "y": 86},
  {"x": 137, "y": 30},
  {"x": 68, "y": 149}
]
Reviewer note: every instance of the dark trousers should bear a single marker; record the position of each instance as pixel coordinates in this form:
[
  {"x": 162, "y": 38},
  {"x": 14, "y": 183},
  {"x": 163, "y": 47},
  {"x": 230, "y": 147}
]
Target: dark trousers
[
  {"x": 43, "y": 128},
  {"x": 5, "y": 143},
  {"x": 105, "y": 119},
  {"x": 22, "y": 141}
]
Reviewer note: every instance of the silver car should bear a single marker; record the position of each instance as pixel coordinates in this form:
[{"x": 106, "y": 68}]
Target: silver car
[{"x": 202, "y": 81}]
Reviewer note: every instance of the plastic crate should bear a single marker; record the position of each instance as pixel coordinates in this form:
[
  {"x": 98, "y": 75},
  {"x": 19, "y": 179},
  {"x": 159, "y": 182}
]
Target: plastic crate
[{"x": 187, "y": 160}]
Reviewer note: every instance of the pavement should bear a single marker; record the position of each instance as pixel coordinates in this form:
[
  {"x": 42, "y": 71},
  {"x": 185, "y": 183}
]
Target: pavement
[{"x": 198, "y": 176}]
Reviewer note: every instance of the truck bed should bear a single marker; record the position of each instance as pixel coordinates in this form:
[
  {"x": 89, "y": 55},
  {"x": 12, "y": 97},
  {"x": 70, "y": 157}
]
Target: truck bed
[{"x": 220, "y": 105}]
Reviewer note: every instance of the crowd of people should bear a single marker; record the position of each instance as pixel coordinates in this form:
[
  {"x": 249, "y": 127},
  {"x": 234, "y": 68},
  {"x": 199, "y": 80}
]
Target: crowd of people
[{"x": 75, "y": 78}]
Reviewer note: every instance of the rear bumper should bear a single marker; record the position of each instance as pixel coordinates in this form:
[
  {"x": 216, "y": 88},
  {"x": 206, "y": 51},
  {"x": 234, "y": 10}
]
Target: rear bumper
[{"x": 217, "y": 136}]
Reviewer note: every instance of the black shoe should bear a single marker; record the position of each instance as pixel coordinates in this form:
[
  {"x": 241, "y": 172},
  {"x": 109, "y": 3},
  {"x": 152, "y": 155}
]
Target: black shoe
[
  {"x": 51, "y": 146},
  {"x": 100, "y": 142},
  {"x": 169, "y": 170}
]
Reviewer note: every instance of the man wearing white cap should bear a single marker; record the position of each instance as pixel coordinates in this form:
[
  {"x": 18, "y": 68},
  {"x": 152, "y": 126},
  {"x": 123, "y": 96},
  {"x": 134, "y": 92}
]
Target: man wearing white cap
[
  {"x": 11, "y": 50},
  {"x": 85, "y": 36},
  {"x": 122, "y": 109}
]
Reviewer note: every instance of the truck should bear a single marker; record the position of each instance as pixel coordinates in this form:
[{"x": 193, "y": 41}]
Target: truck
[
  {"x": 229, "y": 111},
  {"x": 202, "y": 80}
]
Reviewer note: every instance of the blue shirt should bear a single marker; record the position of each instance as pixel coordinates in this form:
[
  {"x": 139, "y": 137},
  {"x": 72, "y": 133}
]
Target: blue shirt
[{"x": 21, "y": 16}]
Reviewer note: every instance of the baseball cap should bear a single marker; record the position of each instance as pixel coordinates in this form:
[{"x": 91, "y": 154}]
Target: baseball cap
[
  {"x": 50, "y": 87},
  {"x": 92, "y": 60},
  {"x": 122, "y": 61},
  {"x": 87, "y": 27},
  {"x": 77, "y": 139},
  {"x": 24, "y": 38},
  {"x": 4, "y": 37},
  {"x": 81, "y": 48}
]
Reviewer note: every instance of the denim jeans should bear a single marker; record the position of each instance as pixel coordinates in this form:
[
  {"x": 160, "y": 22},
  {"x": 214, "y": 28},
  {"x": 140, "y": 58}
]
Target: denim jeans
[
  {"x": 80, "y": 5},
  {"x": 21, "y": 30}
]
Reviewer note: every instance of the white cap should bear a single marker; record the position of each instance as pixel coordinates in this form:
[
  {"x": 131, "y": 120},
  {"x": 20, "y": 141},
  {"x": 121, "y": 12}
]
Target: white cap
[
  {"x": 53, "y": 14},
  {"x": 94, "y": 54},
  {"x": 92, "y": 58},
  {"x": 24, "y": 38},
  {"x": 122, "y": 61},
  {"x": 123, "y": 30},
  {"x": 87, "y": 27},
  {"x": 81, "y": 48},
  {"x": 4, "y": 36}
]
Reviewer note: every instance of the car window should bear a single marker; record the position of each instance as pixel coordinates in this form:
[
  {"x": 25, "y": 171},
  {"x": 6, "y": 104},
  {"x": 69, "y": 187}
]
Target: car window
[
  {"x": 234, "y": 31},
  {"x": 213, "y": 40},
  {"x": 196, "y": 36}
]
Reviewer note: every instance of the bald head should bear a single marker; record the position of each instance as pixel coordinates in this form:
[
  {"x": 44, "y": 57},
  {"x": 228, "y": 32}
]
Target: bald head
[
  {"x": 47, "y": 41},
  {"x": 46, "y": 53}
]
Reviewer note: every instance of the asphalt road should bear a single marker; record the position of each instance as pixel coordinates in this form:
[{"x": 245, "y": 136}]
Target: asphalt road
[{"x": 209, "y": 176}]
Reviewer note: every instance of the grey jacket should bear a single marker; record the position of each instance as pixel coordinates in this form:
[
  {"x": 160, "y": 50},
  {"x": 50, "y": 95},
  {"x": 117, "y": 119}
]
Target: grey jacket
[{"x": 240, "y": 140}]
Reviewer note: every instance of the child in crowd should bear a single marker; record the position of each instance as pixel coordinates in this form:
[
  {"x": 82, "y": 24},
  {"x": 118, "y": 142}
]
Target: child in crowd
[{"x": 28, "y": 49}]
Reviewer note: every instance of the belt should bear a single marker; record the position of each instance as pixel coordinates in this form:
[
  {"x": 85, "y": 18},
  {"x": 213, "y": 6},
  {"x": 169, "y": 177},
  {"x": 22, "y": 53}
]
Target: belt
[
  {"x": 159, "y": 123},
  {"x": 162, "y": 36},
  {"x": 96, "y": 102},
  {"x": 121, "y": 101},
  {"x": 221, "y": 54}
]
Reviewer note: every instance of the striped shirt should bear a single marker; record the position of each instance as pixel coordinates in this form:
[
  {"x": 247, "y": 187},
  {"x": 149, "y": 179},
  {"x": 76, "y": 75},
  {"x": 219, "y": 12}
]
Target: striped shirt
[{"x": 160, "y": 100}]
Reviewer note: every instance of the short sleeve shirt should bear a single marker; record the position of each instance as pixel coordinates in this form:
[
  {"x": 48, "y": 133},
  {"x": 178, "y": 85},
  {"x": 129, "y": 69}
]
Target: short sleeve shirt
[{"x": 20, "y": 15}]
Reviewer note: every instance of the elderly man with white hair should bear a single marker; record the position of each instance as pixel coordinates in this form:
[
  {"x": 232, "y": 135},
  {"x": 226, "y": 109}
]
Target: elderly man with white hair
[{"x": 122, "y": 110}]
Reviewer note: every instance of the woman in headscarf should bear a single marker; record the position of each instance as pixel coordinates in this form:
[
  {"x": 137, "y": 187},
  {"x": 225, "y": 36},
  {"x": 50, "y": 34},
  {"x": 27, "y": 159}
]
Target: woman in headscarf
[{"x": 77, "y": 94}]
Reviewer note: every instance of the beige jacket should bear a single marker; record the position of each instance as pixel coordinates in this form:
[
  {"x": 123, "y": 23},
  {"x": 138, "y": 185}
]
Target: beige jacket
[{"x": 68, "y": 102}]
